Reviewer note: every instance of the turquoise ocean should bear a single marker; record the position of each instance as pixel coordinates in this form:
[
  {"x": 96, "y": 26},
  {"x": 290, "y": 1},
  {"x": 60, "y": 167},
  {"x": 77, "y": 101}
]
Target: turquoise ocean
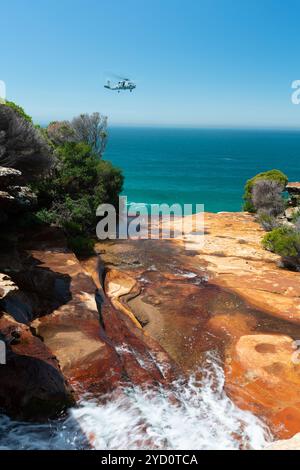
[{"x": 199, "y": 166}]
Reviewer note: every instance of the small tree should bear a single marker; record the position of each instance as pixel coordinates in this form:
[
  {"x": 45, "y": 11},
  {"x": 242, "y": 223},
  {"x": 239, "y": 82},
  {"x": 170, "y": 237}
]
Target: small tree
[
  {"x": 274, "y": 175},
  {"x": 267, "y": 196},
  {"x": 91, "y": 129},
  {"x": 60, "y": 132}
]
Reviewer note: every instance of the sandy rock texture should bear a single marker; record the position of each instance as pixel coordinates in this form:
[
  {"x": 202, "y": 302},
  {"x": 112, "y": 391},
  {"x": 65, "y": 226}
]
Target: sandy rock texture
[{"x": 223, "y": 294}]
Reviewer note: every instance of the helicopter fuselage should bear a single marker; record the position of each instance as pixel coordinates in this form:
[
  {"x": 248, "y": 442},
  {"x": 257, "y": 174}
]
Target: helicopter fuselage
[{"x": 121, "y": 86}]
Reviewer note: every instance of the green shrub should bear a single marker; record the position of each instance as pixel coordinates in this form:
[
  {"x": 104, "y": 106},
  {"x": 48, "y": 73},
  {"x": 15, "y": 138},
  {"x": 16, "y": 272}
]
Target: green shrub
[
  {"x": 296, "y": 216},
  {"x": 76, "y": 216},
  {"x": 70, "y": 196},
  {"x": 80, "y": 173},
  {"x": 45, "y": 216},
  {"x": 109, "y": 184},
  {"x": 274, "y": 175},
  {"x": 63, "y": 166},
  {"x": 284, "y": 241},
  {"x": 248, "y": 206},
  {"x": 81, "y": 245},
  {"x": 19, "y": 110},
  {"x": 90, "y": 129},
  {"x": 267, "y": 221},
  {"x": 60, "y": 132}
]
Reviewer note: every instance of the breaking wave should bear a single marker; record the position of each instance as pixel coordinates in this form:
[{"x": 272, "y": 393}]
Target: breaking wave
[{"x": 188, "y": 415}]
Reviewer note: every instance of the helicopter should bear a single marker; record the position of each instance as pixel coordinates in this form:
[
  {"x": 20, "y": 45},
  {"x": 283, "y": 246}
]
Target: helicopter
[{"x": 123, "y": 84}]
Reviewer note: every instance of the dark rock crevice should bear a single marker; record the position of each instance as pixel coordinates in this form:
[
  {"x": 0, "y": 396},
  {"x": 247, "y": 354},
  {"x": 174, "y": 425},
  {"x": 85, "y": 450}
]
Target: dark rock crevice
[{"x": 39, "y": 290}]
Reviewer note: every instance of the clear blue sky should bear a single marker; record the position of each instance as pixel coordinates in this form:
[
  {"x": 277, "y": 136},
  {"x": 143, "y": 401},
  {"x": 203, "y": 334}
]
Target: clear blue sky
[{"x": 200, "y": 63}]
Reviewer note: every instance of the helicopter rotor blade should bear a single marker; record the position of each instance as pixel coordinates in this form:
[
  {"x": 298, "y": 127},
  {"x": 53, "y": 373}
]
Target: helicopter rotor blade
[{"x": 118, "y": 77}]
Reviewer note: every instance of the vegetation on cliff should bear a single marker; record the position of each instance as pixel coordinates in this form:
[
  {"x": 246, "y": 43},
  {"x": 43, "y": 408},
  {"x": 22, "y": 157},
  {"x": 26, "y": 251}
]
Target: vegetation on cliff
[
  {"x": 277, "y": 214},
  {"x": 70, "y": 196},
  {"x": 285, "y": 241},
  {"x": 21, "y": 145},
  {"x": 19, "y": 110},
  {"x": 90, "y": 129},
  {"x": 275, "y": 176},
  {"x": 267, "y": 196},
  {"x": 62, "y": 165}
]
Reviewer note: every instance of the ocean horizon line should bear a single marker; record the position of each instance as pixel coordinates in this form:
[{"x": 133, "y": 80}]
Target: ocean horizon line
[{"x": 191, "y": 127}]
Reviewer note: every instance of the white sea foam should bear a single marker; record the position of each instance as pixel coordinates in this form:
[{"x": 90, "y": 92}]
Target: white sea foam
[{"x": 193, "y": 415}]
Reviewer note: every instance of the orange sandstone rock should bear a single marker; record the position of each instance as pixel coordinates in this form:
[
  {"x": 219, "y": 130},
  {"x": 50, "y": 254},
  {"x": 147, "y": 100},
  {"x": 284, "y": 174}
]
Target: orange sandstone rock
[
  {"x": 32, "y": 385},
  {"x": 263, "y": 374},
  {"x": 227, "y": 294}
]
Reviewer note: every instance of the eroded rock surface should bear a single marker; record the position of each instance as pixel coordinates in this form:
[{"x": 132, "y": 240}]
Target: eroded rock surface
[
  {"x": 236, "y": 260},
  {"x": 32, "y": 385},
  {"x": 97, "y": 348},
  {"x": 7, "y": 286},
  {"x": 9, "y": 176},
  {"x": 161, "y": 305},
  {"x": 13, "y": 196},
  {"x": 62, "y": 313},
  {"x": 263, "y": 374},
  {"x": 228, "y": 295},
  {"x": 73, "y": 332}
]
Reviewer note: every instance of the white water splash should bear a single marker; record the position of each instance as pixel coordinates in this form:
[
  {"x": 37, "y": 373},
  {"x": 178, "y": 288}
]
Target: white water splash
[{"x": 193, "y": 415}]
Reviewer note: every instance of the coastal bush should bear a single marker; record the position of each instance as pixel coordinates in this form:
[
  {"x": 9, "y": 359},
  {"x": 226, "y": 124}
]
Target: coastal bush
[
  {"x": 62, "y": 164},
  {"x": 76, "y": 216},
  {"x": 79, "y": 172},
  {"x": 60, "y": 132},
  {"x": 273, "y": 175},
  {"x": 267, "y": 196},
  {"x": 19, "y": 110},
  {"x": 70, "y": 196},
  {"x": 296, "y": 216},
  {"x": 90, "y": 129},
  {"x": 285, "y": 241},
  {"x": 81, "y": 245},
  {"x": 22, "y": 146},
  {"x": 297, "y": 224},
  {"x": 267, "y": 221}
]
